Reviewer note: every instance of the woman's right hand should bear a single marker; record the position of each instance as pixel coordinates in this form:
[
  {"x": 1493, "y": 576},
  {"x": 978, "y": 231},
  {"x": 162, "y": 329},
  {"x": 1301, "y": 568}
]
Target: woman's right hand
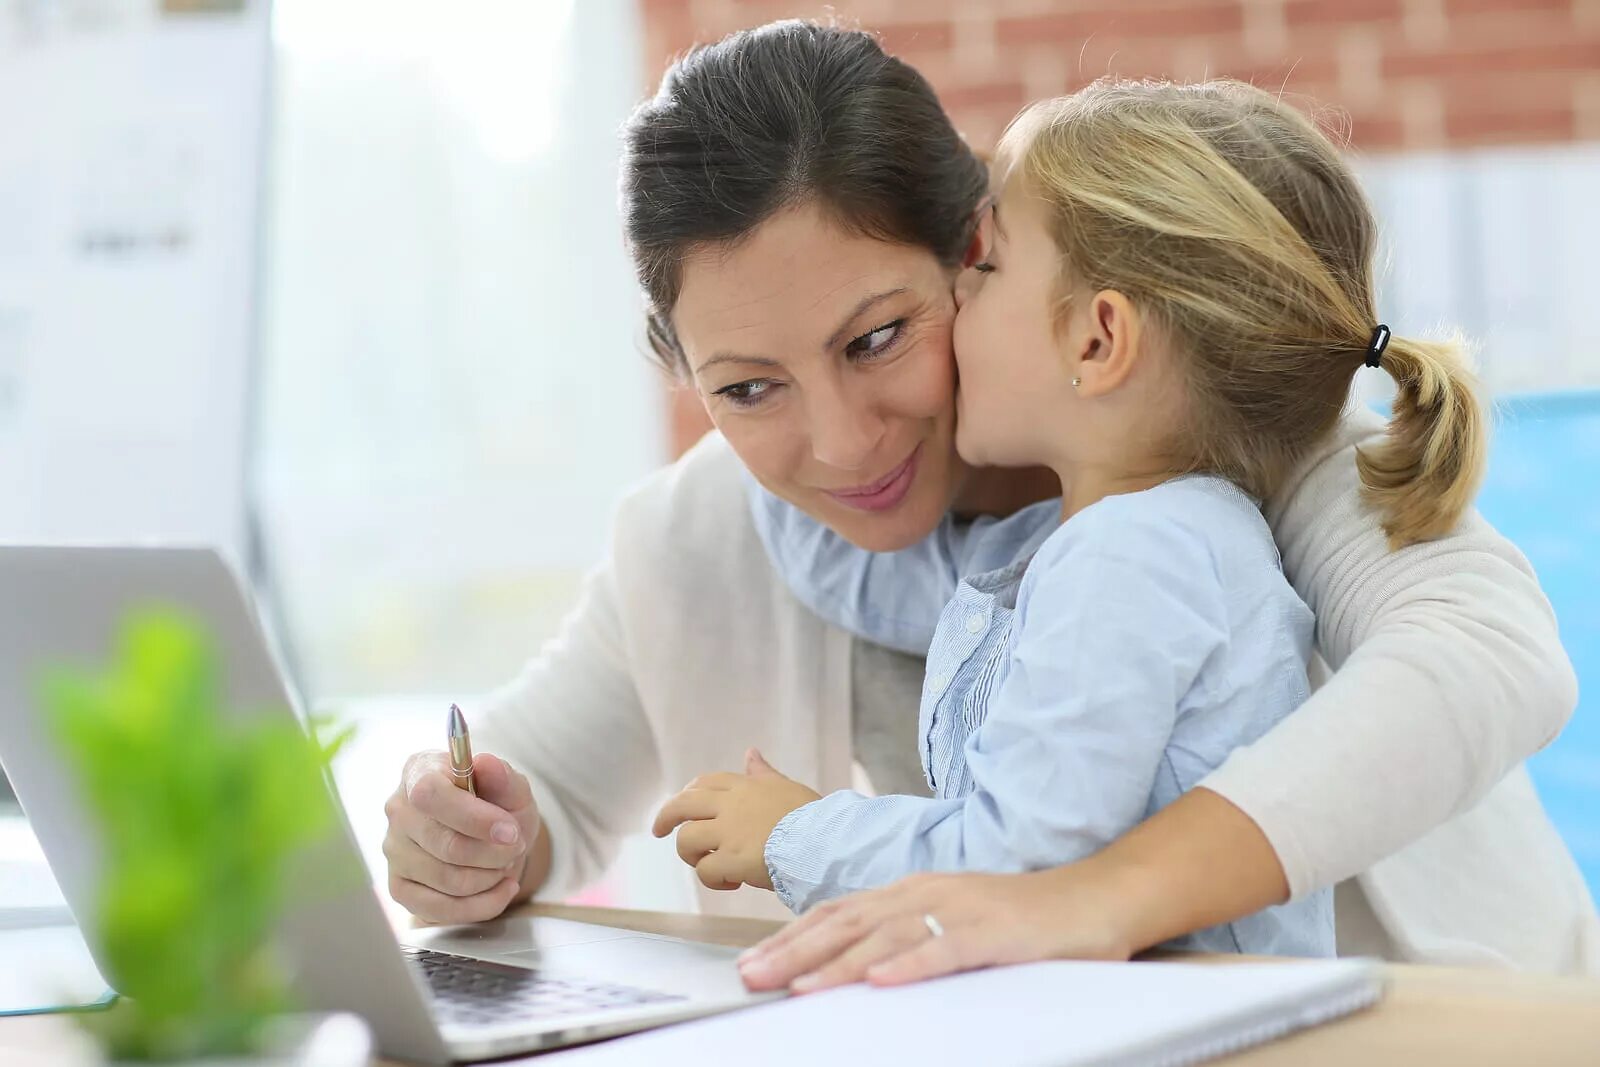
[{"x": 454, "y": 857}]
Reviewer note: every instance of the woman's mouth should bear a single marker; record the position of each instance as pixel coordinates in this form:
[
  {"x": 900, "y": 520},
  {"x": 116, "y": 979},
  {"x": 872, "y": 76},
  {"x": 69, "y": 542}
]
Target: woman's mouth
[{"x": 884, "y": 493}]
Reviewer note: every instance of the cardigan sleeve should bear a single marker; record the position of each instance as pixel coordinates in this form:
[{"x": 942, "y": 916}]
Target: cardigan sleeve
[{"x": 1448, "y": 673}]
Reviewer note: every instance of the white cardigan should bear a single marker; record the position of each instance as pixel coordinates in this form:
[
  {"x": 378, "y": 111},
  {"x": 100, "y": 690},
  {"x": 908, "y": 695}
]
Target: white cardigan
[{"x": 1402, "y": 771}]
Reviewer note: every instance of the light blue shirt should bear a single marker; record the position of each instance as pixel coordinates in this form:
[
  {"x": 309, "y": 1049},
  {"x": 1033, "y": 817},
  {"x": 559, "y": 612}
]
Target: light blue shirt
[{"x": 1081, "y": 677}]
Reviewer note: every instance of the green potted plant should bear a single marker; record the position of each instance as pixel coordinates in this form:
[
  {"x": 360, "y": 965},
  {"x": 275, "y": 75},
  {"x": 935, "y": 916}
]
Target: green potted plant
[{"x": 199, "y": 814}]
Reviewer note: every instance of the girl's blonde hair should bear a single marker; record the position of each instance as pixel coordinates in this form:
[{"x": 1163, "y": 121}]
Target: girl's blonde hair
[{"x": 1228, "y": 216}]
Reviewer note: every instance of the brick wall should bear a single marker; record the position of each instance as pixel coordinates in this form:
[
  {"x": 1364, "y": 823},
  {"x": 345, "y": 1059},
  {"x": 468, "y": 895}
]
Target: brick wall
[{"x": 1407, "y": 75}]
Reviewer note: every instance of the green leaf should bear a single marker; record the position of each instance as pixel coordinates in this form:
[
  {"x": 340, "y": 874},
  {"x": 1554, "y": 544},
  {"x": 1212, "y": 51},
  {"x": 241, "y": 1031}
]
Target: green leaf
[{"x": 200, "y": 814}]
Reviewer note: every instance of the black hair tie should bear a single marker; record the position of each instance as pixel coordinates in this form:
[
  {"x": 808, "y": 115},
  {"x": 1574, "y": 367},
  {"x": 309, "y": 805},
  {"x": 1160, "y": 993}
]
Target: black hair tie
[{"x": 1375, "y": 347}]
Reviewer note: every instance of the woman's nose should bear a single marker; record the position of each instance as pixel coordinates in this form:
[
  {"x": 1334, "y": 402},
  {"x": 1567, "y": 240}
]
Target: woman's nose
[{"x": 844, "y": 434}]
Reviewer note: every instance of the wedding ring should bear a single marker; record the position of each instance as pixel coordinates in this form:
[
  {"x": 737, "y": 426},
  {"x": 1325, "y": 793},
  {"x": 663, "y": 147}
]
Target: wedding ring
[{"x": 932, "y": 924}]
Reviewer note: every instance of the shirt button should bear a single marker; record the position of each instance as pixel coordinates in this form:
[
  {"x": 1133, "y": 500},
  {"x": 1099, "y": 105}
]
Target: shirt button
[
  {"x": 974, "y": 624},
  {"x": 940, "y": 680}
]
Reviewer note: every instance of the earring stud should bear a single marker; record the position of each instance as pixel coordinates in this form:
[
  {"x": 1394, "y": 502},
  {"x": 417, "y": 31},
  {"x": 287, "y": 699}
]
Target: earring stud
[{"x": 1077, "y": 382}]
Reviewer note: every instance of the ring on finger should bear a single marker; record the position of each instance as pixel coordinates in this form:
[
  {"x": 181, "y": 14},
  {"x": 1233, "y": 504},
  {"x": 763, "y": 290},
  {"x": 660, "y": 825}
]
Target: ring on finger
[{"x": 934, "y": 926}]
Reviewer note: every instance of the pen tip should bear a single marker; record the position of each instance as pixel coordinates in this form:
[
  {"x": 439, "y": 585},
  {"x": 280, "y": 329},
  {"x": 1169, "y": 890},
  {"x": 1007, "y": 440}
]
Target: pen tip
[{"x": 458, "y": 725}]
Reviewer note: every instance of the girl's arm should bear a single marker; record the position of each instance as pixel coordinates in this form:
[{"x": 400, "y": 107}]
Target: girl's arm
[{"x": 1112, "y": 631}]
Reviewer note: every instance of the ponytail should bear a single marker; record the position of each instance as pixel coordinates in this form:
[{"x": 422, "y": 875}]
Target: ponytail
[{"x": 1423, "y": 477}]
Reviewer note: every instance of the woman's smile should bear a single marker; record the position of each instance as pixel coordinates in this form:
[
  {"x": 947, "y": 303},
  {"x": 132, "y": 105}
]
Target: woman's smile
[{"x": 884, "y": 493}]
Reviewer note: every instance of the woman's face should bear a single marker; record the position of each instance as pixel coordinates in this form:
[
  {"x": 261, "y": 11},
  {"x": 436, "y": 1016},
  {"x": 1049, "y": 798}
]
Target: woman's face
[{"x": 824, "y": 359}]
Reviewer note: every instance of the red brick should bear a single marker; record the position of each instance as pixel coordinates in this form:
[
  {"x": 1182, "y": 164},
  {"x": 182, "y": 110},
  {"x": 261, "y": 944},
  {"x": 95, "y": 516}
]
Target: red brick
[
  {"x": 1515, "y": 108},
  {"x": 1291, "y": 73},
  {"x": 719, "y": 20},
  {"x": 1045, "y": 82},
  {"x": 1458, "y": 8},
  {"x": 753, "y": 12},
  {"x": 885, "y": 12},
  {"x": 1186, "y": 60},
  {"x": 668, "y": 30},
  {"x": 1127, "y": 57},
  {"x": 1478, "y": 127},
  {"x": 869, "y": 13},
  {"x": 1579, "y": 55},
  {"x": 1529, "y": 27},
  {"x": 983, "y": 95},
  {"x": 1129, "y": 20},
  {"x": 1359, "y": 128},
  {"x": 1505, "y": 93},
  {"x": 1300, "y": 13},
  {"x": 1314, "y": 98},
  {"x": 1369, "y": 132},
  {"x": 1035, "y": 29},
  {"x": 939, "y": 68},
  {"x": 1586, "y": 105},
  {"x": 908, "y": 38},
  {"x": 982, "y": 126}
]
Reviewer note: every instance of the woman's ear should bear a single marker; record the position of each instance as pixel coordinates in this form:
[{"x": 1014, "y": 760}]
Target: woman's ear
[
  {"x": 1107, "y": 343},
  {"x": 982, "y": 234}
]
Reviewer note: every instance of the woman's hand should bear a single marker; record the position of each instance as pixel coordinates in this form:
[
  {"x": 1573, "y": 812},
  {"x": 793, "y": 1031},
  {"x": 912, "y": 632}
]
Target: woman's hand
[
  {"x": 726, "y": 820},
  {"x": 1197, "y": 862},
  {"x": 454, "y": 857},
  {"x": 884, "y": 937}
]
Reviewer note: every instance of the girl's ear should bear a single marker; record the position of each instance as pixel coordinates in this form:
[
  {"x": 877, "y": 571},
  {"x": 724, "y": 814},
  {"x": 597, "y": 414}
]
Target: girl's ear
[{"x": 1107, "y": 343}]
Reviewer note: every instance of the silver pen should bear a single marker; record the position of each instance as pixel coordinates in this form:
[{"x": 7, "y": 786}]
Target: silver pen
[{"x": 460, "y": 752}]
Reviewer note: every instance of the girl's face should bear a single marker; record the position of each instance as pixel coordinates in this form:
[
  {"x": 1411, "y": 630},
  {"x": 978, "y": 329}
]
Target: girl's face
[
  {"x": 824, "y": 359},
  {"x": 1014, "y": 381}
]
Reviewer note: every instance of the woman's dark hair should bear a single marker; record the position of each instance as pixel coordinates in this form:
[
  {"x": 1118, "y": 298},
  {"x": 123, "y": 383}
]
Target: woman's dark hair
[{"x": 788, "y": 113}]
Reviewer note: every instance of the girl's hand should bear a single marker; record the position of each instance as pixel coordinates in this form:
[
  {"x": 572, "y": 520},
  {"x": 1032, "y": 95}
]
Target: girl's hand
[
  {"x": 883, "y": 937},
  {"x": 726, "y": 820}
]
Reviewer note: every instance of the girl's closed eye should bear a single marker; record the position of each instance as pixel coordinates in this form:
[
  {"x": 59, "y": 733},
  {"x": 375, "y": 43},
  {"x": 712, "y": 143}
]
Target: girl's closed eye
[{"x": 983, "y": 266}]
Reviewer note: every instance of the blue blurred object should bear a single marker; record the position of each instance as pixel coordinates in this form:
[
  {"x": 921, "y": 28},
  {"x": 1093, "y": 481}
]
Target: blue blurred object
[{"x": 1543, "y": 492}]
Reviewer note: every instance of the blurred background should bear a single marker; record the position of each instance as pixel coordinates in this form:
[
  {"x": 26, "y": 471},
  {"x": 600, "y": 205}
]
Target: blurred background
[{"x": 338, "y": 285}]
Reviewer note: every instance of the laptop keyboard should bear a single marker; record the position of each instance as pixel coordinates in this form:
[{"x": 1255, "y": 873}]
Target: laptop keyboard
[{"x": 476, "y": 992}]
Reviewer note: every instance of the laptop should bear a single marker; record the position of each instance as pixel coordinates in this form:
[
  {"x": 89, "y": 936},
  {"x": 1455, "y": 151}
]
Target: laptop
[{"x": 431, "y": 995}]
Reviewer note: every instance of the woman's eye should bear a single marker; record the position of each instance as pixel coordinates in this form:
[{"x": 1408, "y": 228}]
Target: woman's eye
[
  {"x": 983, "y": 267},
  {"x": 747, "y": 394},
  {"x": 876, "y": 342}
]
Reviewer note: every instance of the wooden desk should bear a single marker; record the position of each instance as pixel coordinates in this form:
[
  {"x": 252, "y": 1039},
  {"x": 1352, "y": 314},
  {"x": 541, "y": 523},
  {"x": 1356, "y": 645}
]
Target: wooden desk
[{"x": 1431, "y": 1015}]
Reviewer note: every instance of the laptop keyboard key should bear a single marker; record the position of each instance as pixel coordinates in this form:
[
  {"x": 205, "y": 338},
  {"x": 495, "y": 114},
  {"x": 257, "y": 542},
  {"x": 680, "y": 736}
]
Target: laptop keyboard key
[{"x": 479, "y": 992}]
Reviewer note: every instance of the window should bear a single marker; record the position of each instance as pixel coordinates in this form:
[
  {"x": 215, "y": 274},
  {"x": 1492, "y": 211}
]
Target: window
[{"x": 453, "y": 391}]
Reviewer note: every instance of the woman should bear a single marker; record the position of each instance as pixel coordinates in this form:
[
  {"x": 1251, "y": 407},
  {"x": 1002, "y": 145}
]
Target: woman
[{"x": 798, "y": 207}]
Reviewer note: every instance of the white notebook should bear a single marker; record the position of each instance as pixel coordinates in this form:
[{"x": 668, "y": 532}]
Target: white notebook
[{"x": 1056, "y": 1014}]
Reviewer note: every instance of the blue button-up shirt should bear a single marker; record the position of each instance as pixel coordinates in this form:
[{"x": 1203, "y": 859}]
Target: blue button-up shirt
[{"x": 1081, "y": 676}]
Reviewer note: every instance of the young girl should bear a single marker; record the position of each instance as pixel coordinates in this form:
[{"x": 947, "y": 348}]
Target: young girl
[{"x": 1176, "y": 295}]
